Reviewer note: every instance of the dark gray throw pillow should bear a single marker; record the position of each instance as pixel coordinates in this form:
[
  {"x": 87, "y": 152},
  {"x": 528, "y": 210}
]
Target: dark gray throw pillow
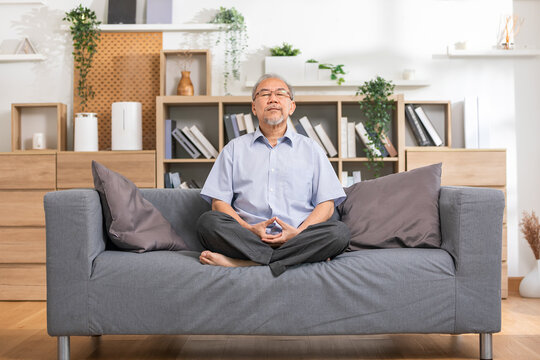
[
  {"x": 132, "y": 222},
  {"x": 398, "y": 210}
]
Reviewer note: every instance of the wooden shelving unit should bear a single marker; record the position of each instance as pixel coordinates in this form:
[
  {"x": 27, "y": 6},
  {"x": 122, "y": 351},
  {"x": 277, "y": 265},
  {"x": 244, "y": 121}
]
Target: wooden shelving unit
[
  {"x": 440, "y": 114},
  {"x": 201, "y": 70},
  {"x": 207, "y": 113}
]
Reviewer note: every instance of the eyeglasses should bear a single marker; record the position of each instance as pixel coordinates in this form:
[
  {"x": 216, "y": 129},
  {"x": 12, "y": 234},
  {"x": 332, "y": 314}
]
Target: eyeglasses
[{"x": 265, "y": 94}]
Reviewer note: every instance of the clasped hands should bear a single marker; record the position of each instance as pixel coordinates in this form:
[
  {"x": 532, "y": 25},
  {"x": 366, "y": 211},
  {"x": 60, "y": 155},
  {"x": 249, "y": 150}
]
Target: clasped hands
[{"x": 274, "y": 240}]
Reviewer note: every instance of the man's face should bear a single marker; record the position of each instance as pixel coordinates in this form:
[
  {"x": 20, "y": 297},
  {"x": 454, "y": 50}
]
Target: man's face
[{"x": 272, "y": 104}]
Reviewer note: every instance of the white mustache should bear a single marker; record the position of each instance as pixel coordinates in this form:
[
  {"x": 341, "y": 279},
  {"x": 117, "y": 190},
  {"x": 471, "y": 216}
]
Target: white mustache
[{"x": 271, "y": 107}]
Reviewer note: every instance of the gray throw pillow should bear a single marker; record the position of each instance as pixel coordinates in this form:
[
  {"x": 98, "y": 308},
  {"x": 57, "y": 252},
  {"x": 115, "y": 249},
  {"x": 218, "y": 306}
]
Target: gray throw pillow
[
  {"x": 132, "y": 222},
  {"x": 398, "y": 210}
]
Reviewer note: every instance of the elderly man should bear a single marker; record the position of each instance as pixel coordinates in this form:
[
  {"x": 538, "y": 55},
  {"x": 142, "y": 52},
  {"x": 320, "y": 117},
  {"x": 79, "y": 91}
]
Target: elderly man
[{"x": 272, "y": 192}]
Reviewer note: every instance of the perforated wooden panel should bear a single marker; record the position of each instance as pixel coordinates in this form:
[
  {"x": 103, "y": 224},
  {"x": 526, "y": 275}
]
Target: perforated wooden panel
[{"x": 125, "y": 68}]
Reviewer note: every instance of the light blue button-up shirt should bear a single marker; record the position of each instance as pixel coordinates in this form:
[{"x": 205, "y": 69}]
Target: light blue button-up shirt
[{"x": 261, "y": 181}]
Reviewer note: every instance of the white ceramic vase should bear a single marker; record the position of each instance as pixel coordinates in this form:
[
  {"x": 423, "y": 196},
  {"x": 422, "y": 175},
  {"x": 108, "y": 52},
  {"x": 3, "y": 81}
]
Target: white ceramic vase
[
  {"x": 291, "y": 68},
  {"x": 530, "y": 285}
]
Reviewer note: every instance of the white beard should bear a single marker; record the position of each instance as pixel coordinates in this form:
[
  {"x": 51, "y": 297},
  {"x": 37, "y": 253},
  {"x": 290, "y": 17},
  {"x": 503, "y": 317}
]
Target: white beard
[{"x": 274, "y": 122}]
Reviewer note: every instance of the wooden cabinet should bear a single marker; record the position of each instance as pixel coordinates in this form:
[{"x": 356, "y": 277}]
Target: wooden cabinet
[
  {"x": 25, "y": 178},
  {"x": 469, "y": 167}
]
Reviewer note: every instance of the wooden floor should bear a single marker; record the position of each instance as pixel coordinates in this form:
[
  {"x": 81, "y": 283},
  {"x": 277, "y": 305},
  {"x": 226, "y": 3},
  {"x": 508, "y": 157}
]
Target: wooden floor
[{"x": 23, "y": 336}]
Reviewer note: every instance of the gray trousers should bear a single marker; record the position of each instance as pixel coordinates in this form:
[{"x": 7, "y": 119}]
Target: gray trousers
[{"x": 221, "y": 233}]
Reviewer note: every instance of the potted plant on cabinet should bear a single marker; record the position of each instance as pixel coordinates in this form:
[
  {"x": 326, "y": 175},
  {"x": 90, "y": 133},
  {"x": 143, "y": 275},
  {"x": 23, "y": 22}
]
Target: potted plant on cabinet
[
  {"x": 333, "y": 74},
  {"x": 235, "y": 42},
  {"x": 377, "y": 109},
  {"x": 284, "y": 61},
  {"x": 311, "y": 70},
  {"x": 85, "y": 32}
]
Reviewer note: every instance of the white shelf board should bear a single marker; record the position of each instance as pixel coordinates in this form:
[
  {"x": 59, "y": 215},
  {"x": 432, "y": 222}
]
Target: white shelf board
[
  {"x": 451, "y": 52},
  {"x": 20, "y": 2},
  {"x": 21, "y": 57},
  {"x": 349, "y": 84},
  {"x": 157, "y": 27}
]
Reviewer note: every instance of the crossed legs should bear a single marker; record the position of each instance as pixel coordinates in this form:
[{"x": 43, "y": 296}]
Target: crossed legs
[{"x": 230, "y": 244}]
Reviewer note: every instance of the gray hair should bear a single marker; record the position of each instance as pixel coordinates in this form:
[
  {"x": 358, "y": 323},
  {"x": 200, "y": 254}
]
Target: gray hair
[{"x": 271, "y": 76}]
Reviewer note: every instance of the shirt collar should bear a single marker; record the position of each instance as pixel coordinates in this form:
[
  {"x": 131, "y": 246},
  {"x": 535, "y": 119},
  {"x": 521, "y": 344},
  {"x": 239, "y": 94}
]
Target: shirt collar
[{"x": 288, "y": 137}]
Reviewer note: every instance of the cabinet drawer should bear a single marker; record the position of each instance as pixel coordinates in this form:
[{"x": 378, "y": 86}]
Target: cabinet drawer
[
  {"x": 463, "y": 167},
  {"x": 22, "y": 245},
  {"x": 23, "y": 282},
  {"x": 21, "y": 171},
  {"x": 22, "y": 208},
  {"x": 75, "y": 169},
  {"x": 504, "y": 244}
]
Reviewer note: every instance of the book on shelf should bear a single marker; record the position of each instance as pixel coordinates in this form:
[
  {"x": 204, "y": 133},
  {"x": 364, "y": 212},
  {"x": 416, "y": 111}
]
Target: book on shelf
[
  {"x": 194, "y": 184},
  {"x": 170, "y": 148},
  {"x": 175, "y": 180},
  {"x": 184, "y": 185},
  {"x": 363, "y": 135},
  {"x": 308, "y": 128},
  {"x": 325, "y": 139},
  {"x": 249, "y": 123},
  {"x": 229, "y": 128},
  {"x": 382, "y": 148},
  {"x": 199, "y": 135},
  {"x": 388, "y": 145},
  {"x": 300, "y": 129},
  {"x": 185, "y": 143},
  {"x": 343, "y": 130},
  {"x": 357, "y": 176},
  {"x": 428, "y": 125},
  {"x": 241, "y": 124},
  {"x": 195, "y": 141},
  {"x": 344, "y": 176},
  {"x": 167, "y": 181},
  {"x": 416, "y": 127},
  {"x": 351, "y": 140}
]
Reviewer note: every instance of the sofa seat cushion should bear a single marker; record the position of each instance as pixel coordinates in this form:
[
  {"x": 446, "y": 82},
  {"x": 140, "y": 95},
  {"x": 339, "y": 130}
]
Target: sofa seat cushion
[{"x": 364, "y": 292}]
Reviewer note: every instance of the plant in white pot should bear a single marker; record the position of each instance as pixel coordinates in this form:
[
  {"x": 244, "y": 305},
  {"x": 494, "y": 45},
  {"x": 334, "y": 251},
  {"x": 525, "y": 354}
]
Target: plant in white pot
[
  {"x": 530, "y": 227},
  {"x": 311, "y": 70},
  {"x": 285, "y": 62}
]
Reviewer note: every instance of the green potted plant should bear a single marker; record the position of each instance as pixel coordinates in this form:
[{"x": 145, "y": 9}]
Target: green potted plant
[
  {"x": 235, "y": 36},
  {"x": 284, "y": 61},
  {"x": 85, "y": 32},
  {"x": 335, "y": 72},
  {"x": 377, "y": 109}
]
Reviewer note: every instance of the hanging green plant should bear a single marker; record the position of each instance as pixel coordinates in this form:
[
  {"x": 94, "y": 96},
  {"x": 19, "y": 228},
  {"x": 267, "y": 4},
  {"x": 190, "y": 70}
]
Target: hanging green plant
[
  {"x": 284, "y": 50},
  {"x": 337, "y": 70},
  {"x": 377, "y": 108},
  {"x": 85, "y": 32},
  {"x": 235, "y": 35}
]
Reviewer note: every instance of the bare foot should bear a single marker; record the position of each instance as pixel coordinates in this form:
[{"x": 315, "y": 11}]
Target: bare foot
[{"x": 212, "y": 258}]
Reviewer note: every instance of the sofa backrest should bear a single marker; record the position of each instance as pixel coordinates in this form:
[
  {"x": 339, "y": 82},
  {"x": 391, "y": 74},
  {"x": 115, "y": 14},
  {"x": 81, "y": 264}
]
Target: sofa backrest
[{"x": 182, "y": 208}]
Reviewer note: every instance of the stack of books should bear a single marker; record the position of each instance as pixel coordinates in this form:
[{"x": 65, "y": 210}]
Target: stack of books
[
  {"x": 190, "y": 139},
  {"x": 317, "y": 133},
  {"x": 422, "y": 127},
  {"x": 349, "y": 130},
  {"x": 237, "y": 125},
  {"x": 348, "y": 180},
  {"x": 174, "y": 181}
]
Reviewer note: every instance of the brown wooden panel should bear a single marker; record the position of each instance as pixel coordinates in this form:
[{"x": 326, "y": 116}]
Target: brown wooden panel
[
  {"x": 504, "y": 280},
  {"x": 464, "y": 167},
  {"x": 125, "y": 68},
  {"x": 22, "y": 282},
  {"x": 22, "y": 245},
  {"x": 504, "y": 244},
  {"x": 22, "y": 208},
  {"x": 32, "y": 171},
  {"x": 74, "y": 169}
]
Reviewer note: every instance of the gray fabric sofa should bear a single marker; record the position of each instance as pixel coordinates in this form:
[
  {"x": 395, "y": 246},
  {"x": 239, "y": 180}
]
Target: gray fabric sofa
[{"x": 95, "y": 291}]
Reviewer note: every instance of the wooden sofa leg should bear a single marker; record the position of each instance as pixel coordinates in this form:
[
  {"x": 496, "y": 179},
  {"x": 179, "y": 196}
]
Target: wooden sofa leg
[
  {"x": 63, "y": 347},
  {"x": 486, "y": 347}
]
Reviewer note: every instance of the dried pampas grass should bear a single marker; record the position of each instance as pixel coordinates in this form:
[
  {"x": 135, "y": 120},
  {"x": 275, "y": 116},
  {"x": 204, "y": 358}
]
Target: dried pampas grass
[{"x": 530, "y": 227}]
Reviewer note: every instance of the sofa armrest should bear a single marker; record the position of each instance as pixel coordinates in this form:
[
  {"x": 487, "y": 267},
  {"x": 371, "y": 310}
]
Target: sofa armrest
[
  {"x": 471, "y": 230},
  {"x": 75, "y": 237}
]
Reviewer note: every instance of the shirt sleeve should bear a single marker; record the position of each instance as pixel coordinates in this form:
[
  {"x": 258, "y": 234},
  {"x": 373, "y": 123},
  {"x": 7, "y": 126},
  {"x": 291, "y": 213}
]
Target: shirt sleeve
[
  {"x": 326, "y": 185},
  {"x": 219, "y": 183}
]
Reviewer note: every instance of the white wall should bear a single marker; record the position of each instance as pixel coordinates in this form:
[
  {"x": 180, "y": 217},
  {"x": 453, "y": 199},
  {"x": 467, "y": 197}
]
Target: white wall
[{"x": 370, "y": 37}]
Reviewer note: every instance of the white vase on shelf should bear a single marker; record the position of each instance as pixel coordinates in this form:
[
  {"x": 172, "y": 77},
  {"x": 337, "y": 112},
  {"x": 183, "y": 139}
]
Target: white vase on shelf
[
  {"x": 530, "y": 285},
  {"x": 291, "y": 68},
  {"x": 86, "y": 132}
]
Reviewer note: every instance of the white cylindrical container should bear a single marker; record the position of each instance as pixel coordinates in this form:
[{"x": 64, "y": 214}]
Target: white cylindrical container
[
  {"x": 85, "y": 136},
  {"x": 126, "y": 127},
  {"x": 38, "y": 141}
]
